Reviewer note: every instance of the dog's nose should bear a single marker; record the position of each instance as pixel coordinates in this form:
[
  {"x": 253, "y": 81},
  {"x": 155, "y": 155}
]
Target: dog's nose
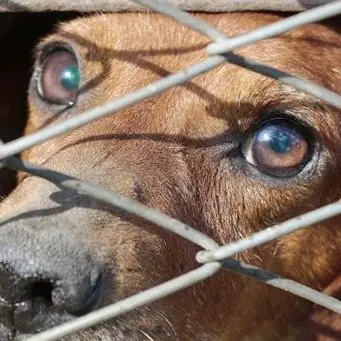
[{"x": 46, "y": 276}]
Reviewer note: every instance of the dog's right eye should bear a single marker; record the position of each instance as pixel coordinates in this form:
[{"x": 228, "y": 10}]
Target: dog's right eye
[
  {"x": 278, "y": 147},
  {"x": 59, "y": 77}
]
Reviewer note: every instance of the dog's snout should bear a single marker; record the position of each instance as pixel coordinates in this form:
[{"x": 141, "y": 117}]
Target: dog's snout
[{"x": 46, "y": 276}]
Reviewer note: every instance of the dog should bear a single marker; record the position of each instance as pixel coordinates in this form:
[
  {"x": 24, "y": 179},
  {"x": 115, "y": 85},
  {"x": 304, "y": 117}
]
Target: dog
[{"x": 229, "y": 153}]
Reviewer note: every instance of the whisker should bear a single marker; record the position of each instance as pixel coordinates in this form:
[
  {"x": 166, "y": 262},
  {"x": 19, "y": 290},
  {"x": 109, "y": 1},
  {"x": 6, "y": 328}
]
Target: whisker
[
  {"x": 147, "y": 335},
  {"x": 170, "y": 324}
]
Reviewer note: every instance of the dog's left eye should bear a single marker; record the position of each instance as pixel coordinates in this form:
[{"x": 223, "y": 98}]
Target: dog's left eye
[
  {"x": 278, "y": 147},
  {"x": 59, "y": 79}
]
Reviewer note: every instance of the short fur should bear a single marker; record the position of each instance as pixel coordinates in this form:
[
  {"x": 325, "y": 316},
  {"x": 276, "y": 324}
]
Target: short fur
[{"x": 176, "y": 152}]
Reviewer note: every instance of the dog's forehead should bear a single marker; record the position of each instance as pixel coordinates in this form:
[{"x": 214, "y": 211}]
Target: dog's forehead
[
  {"x": 128, "y": 31},
  {"x": 151, "y": 46},
  {"x": 121, "y": 38},
  {"x": 129, "y": 50}
]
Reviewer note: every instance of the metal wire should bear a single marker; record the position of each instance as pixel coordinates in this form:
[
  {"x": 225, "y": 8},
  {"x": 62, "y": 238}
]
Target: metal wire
[
  {"x": 25, "y": 142},
  {"x": 271, "y": 233},
  {"x": 306, "y": 86},
  {"x": 187, "y": 232},
  {"x": 184, "y": 18},
  {"x": 181, "y": 283},
  {"x": 214, "y": 256},
  {"x": 283, "y": 284},
  {"x": 295, "y": 21},
  {"x": 127, "y": 204},
  {"x": 129, "y": 304}
]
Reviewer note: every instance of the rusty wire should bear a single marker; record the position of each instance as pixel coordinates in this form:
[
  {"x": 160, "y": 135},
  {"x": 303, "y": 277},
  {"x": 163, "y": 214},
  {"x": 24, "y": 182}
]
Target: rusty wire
[{"x": 214, "y": 256}]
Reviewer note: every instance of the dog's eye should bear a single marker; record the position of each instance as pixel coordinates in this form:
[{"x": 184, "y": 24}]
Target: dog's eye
[
  {"x": 59, "y": 79},
  {"x": 278, "y": 147}
]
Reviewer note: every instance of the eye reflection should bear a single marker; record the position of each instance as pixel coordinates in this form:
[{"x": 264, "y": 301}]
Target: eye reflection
[
  {"x": 60, "y": 76},
  {"x": 70, "y": 78}
]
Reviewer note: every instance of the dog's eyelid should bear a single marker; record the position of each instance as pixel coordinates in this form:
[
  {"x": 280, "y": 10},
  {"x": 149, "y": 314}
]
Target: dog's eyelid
[
  {"x": 43, "y": 50},
  {"x": 294, "y": 114}
]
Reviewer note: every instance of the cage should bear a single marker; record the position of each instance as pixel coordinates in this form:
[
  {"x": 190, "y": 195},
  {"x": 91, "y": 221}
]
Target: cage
[{"x": 213, "y": 257}]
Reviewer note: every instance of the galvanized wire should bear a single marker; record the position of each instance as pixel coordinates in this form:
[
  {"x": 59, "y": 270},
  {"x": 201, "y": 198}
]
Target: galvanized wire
[
  {"x": 187, "y": 232},
  {"x": 285, "y": 284},
  {"x": 271, "y": 233},
  {"x": 327, "y": 96},
  {"x": 128, "y": 205},
  {"x": 128, "y": 304},
  {"x": 285, "y": 25},
  {"x": 25, "y": 142},
  {"x": 214, "y": 256},
  {"x": 180, "y": 283},
  {"x": 184, "y": 18}
]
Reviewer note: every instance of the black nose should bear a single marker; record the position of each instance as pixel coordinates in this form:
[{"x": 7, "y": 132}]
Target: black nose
[{"x": 46, "y": 277}]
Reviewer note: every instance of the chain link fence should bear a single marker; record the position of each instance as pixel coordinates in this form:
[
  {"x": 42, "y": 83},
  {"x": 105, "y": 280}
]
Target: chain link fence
[{"x": 213, "y": 257}]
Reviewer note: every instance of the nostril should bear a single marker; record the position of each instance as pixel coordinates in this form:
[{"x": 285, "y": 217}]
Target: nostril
[
  {"x": 34, "y": 305},
  {"x": 47, "y": 303},
  {"x": 49, "y": 279},
  {"x": 43, "y": 290},
  {"x": 70, "y": 298}
]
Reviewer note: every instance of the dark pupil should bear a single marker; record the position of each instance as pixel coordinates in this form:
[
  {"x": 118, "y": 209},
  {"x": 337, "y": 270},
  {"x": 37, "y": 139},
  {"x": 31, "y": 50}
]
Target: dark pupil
[
  {"x": 70, "y": 78},
  {"x": 280, "y": 142}
]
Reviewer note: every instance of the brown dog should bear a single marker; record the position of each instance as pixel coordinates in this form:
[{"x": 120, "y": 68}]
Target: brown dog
[{"x": 229, "y": 153}]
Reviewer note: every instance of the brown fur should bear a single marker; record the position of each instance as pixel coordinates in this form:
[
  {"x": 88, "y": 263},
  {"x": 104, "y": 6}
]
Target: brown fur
[
  {"x": 323, "y": 324},
  {"x": 174, "y": 152}
]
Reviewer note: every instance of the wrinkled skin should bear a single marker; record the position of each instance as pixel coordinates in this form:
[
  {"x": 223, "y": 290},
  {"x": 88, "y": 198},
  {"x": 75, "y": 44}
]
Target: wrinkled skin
[{"x": 179, "y": 152}]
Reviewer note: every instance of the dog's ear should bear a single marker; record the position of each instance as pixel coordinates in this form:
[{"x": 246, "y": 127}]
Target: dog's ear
[{"x": 323, "y": 324}]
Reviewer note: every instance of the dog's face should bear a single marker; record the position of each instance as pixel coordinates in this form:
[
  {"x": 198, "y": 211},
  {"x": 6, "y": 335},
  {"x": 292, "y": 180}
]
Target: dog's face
[{"x": 229, "y": 153}]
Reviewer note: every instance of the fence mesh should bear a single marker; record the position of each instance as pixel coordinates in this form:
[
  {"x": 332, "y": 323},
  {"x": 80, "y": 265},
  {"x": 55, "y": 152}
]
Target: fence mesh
[{"x": 213, "y": 257}]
